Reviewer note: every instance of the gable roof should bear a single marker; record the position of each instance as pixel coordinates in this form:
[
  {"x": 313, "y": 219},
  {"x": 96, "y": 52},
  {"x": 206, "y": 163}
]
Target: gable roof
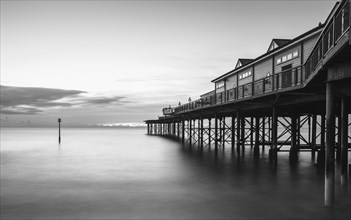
[
  {"x": 313, "y": 31},
  {"x": 275, "y": 43},
  {"x": 242, "y": 62}
]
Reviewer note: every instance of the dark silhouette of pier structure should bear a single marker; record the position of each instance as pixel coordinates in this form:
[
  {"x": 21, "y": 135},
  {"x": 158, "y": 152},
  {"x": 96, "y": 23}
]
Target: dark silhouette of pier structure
[{"x": 295, "y": 97}]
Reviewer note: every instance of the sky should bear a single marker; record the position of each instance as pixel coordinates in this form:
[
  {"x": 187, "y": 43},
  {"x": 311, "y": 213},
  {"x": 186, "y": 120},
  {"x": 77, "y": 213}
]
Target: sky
[{"x": 104, "y": 62}]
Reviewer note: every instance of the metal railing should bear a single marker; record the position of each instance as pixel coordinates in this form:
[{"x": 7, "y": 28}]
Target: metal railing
[{"x": 334, "y": 30}]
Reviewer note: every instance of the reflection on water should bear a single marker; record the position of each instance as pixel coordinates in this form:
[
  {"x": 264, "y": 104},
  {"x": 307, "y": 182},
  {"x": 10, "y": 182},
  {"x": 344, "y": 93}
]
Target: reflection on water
[{"x": 121, "y": 173}]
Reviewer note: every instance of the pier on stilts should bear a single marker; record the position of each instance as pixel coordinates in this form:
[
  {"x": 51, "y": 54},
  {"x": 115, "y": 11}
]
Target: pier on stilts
[{"x": 296, "y": 97}]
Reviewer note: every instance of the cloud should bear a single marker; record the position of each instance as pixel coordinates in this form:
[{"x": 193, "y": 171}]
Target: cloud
[
  {"x": 34, "y": 100},
  {"x": 20, "y": 111},
  {"x": 103, "y": 100},
  {"x": 30, "y": 100}
]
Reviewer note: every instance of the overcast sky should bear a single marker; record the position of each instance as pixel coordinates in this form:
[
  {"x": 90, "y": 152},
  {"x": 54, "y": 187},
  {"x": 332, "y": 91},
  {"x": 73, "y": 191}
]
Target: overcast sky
[{"x": 93, "y": 62}]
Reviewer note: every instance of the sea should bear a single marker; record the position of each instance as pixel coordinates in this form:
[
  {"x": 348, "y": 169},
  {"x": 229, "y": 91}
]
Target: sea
[{"x": 123, "y": 173}]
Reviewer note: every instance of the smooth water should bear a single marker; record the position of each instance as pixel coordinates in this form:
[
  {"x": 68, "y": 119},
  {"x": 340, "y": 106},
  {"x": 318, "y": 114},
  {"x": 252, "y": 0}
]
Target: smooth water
[{"x": 125, "y": 174}]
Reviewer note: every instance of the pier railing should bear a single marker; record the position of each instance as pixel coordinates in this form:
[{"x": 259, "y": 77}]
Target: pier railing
[
  {"x": 337, "y": 26},
  {"x": 279, "y": 81}
]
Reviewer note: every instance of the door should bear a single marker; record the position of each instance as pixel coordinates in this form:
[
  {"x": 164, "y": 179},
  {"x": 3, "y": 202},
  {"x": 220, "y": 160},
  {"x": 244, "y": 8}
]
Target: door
[{"x": 286, "y": 76}]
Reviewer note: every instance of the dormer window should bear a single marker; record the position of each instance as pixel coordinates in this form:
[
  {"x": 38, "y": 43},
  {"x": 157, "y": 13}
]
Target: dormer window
[
  {"x": 272, "y": 46},
  {"x": 275, "y": 43},
  {"x": 238, "y": 64},
  {"x": 242, "y": 62}
]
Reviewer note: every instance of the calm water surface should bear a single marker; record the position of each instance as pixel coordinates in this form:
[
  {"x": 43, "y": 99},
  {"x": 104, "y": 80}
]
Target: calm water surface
[{"x": 125, "y": 174}]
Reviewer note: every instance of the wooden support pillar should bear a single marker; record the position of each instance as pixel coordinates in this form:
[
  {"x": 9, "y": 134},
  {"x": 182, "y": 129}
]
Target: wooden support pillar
[
  {"x": 242, "y": 133},
  {"x": 216, "y": 134},
  {"x": 314, "y": 136},
  {"x": 330, "y": 146},
  {"x": 238, "y": 131},
  {"x": 338, "y": 146},
  {"x": 274, "y": 148},
  {"x": 309, "y": 129},
  {"x": 263, "y": 132},
  {"x": 298, "y": 130},
  {"x": 223, "y": 132},
  {"x": 190, "y": 132},
  {"x": 148, "y": 128},
  {"x": 174, "y": 129},
  {"x": 183, "y": 131},
  {"x": 293, "y": 154},
  {"x": 257, "y": 137},
  {"x": 209, "y": 132},
  {"x": 344, "y": 137},
  {"x": 233, "y": 132},
  {"x": 270, "y": 129},
  {"x": 198, "y": 132},
  {"x": 321, "y": 152},
  {"x": 201, "y": 133},
  {"x": 251, "y": 131},
  {"x": 178, "y": 129}
]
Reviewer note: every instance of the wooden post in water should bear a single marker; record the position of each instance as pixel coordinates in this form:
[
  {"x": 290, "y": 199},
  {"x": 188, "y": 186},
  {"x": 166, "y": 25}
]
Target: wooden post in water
[
  {"x": 314, "y": 135},
  {"x": 223, "y": 132},
  {"x": 209, "y": 133},
  {"x": 338, "y": 146},
  {"x": 257, "y": 136},
  {"x": 238, "y": 132},
  {"x": 321, "y": 152},
  {"x": 344, "y": 137},
  {"x": 263, "y": 132},
  {"x": 202, "y": 133},
  {"x": 330, "y": 146},
  {"x": 59, "y": 121},
  {"x": 293, "y": 154},
  {"x": 233, "y": 132},
  {"x": 178, "y": 130},
  {"x": 216, "y": 134},
  {"x": 183, "y": 131},
  {"x": 274, "y": 149},
  {"x": 251, "y": 131},
  {"x": 190, "y": 132},
  {"x": 242, "y": 136}
]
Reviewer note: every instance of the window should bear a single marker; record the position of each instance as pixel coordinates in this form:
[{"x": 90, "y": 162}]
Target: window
[
  {"x": 295, "y": 54},
  {"x": 245, "y": 75},
  {"x": 219, "y": 85},
  {"x": 287, "y": 57}
]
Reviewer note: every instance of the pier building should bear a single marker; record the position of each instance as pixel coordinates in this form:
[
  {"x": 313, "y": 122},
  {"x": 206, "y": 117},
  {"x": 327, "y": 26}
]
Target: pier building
[{"x": 295, "y": 97}]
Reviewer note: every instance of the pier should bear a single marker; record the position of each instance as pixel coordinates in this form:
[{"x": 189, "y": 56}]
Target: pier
[{"x": 295, "y": 97}]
